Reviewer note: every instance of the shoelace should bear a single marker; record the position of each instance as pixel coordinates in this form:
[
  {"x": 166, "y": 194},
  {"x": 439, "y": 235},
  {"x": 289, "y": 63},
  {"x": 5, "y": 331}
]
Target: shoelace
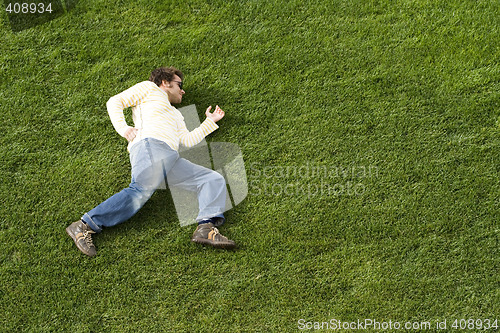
[
  {"x": 215, "y": 233},
  {"x": 88, "y": 237}
]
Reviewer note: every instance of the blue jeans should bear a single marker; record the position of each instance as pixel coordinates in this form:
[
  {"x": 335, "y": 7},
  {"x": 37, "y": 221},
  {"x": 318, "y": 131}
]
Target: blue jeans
[{"x": 152, "y": 162}]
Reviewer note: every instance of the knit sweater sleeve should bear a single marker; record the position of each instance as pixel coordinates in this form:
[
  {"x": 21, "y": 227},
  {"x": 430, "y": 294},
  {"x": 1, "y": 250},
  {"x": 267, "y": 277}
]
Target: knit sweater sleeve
[
  {"x": 128, "y": 98},
  {"x": 189, "y": 139}
]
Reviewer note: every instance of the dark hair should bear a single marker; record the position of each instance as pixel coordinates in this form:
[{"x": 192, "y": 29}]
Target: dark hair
[{"x": 165, "y": 74}]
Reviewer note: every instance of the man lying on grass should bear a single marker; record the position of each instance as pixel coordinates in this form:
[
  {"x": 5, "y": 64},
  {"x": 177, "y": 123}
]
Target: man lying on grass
[{"x": 158, "y": 130}]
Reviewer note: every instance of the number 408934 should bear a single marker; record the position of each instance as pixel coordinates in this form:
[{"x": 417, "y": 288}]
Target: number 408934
[{"x": 28, "y": 8}]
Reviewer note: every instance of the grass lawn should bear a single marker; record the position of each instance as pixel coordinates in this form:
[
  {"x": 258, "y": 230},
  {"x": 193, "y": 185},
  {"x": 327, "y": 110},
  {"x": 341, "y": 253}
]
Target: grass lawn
[{"x": 370, "y": 135}]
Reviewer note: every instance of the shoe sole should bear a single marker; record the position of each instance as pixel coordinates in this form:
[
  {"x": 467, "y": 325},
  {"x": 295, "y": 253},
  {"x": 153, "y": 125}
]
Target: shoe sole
[
  {"x": 70, "y": 234},
  {"x": 217, "y": 245}
]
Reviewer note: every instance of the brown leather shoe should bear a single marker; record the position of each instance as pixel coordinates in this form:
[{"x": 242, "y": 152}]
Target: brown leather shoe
[
  {"x": 82, "y": 236},
  {"x": 208, "y": 234}
]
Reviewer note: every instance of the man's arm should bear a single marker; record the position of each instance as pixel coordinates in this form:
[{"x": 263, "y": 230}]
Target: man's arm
[
  {"x": 189, "y": 139},
  {"x": 125, "y": 99},
  {"x": 217, "y": 115}
]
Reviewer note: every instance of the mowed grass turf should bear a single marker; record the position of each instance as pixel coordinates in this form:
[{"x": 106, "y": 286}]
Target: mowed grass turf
[{"x": 370, "y": 135}]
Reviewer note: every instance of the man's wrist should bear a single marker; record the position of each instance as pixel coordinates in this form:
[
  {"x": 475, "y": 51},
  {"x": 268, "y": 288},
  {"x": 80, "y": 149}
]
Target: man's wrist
[
  {"x": 123, "y": 131},
  {"x": 210, "y": 125}
]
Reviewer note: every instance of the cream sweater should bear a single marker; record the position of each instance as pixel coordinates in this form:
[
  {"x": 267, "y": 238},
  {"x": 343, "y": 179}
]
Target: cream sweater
[{"x": 154, "y": 117}]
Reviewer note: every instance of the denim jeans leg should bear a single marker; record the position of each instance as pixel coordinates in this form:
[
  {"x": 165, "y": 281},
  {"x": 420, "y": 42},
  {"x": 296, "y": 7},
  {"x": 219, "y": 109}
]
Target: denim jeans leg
[
  {"x": 147, "y": 174},
  {"x": 209, "y": 185}
]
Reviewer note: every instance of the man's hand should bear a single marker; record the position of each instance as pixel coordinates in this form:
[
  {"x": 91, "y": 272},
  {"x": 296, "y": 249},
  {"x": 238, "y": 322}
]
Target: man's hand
[
  {"x": 130, "y": 133},
  {"x": 216, "y": 115}
]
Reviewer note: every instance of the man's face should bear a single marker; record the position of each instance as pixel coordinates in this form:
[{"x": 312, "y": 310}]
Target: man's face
[{"x": 173, "y": 90}]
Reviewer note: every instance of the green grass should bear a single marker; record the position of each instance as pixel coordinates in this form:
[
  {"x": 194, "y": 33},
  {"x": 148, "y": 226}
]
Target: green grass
[{"x": 407, "y": 89}]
